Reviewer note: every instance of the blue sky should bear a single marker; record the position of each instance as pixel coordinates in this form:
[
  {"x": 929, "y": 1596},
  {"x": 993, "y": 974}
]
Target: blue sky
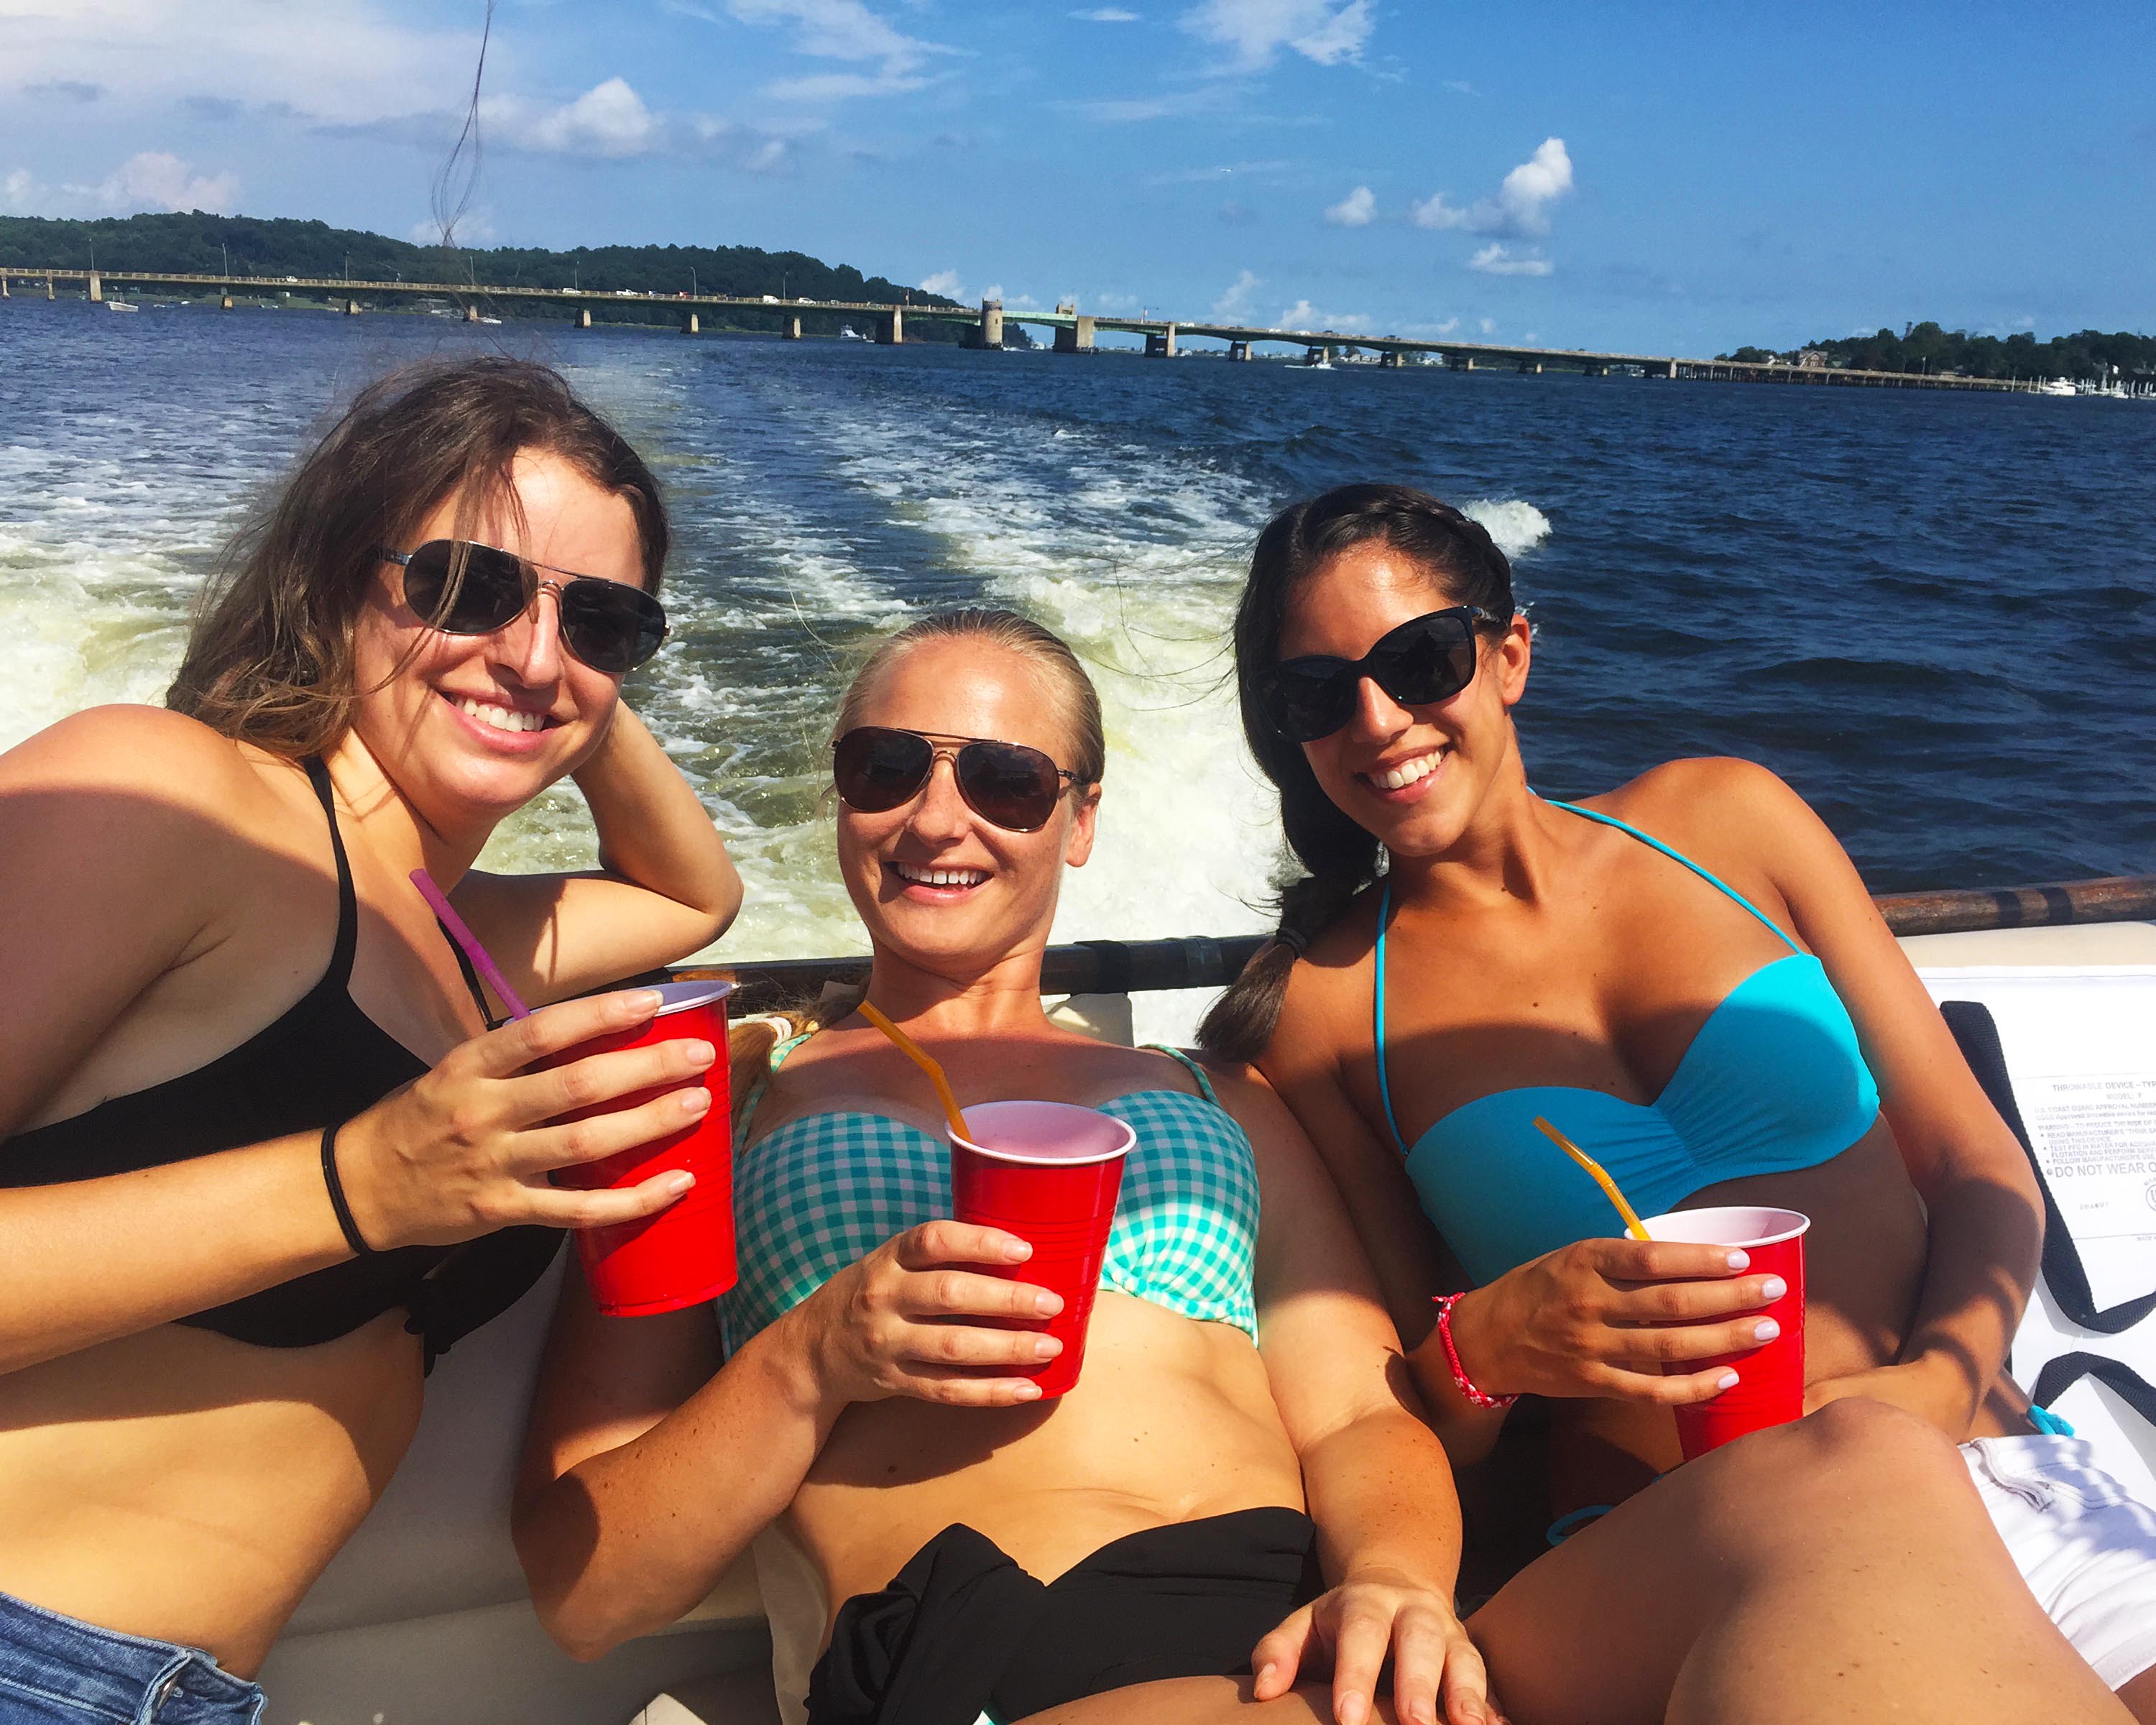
[{"x": 1682, "y": 178}]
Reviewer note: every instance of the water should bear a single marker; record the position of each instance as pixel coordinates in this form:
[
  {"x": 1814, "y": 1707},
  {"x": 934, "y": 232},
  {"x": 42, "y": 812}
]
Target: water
[{"x": 1936, "y": 615}]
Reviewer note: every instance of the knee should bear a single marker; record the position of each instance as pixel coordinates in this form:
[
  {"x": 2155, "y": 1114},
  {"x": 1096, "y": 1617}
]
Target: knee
[{"x": 1852, "y": 1464}]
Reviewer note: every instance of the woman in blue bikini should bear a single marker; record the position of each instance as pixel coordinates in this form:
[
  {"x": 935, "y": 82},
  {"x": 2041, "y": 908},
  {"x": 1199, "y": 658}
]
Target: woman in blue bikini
[
  {"x": 1687, "y": 977},
  {"x": 1241, "y": 1482}
]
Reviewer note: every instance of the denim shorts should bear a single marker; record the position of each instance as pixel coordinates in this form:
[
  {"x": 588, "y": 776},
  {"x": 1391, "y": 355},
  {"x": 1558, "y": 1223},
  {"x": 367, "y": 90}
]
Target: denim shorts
[{"x": 55, "y": 1670}]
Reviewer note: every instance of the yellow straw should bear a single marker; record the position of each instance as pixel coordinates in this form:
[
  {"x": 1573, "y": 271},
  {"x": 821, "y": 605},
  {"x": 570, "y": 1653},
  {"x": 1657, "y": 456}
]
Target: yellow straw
[
  {"x": 1632, "y": 1223},
  {"x": 914, "y": 1052}
]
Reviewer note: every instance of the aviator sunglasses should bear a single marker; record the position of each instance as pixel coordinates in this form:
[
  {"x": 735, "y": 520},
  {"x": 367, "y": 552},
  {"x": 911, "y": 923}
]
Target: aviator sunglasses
[
  {"x": 464, "y": 588},
  {"x": 1005, "y": 783},
  {"x": 1427, "y": 658}
]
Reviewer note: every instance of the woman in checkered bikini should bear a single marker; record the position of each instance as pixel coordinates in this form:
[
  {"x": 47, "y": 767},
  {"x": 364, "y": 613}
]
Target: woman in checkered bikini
[{"x": 1239, "y": 1495}]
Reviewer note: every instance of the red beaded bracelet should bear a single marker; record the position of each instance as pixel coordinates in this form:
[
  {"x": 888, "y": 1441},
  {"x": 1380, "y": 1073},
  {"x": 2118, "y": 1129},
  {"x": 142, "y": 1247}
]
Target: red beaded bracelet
[{"x": 1468, "y": 1388}]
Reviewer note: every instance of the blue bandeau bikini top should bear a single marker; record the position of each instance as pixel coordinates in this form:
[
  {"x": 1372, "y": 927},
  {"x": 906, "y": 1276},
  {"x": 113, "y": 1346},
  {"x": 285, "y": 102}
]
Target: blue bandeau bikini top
[
  {"x": 1775, "y": 1081},
  {"x": 824, "y": 1190}
]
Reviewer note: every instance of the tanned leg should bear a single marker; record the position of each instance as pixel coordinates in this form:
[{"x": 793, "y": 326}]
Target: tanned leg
[{"x": 1837, "y": 1569}]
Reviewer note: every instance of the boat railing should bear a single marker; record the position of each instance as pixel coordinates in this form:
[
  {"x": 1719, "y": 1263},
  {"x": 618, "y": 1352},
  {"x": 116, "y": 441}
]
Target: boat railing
[{"x": 1106, "y": 967}]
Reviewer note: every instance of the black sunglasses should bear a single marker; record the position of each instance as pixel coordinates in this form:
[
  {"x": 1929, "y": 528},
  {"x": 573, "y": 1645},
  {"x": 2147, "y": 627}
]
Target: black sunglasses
[
  {"x": 1427, "y": 658},
  {"x": 1007, "y": 783},
  {"x": 463, "y": 588}
]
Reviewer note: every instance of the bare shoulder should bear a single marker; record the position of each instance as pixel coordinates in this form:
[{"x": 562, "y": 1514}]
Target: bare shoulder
[
  {"x": 1328, "y": 990},
  {"x": 167, "y": 755},
  {"x": 1715, "y": 803}
]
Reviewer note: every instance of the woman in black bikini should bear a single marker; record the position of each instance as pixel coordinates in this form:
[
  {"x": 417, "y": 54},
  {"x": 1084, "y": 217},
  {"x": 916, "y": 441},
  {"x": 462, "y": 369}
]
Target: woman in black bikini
[{"x": 248, "y": 1102}]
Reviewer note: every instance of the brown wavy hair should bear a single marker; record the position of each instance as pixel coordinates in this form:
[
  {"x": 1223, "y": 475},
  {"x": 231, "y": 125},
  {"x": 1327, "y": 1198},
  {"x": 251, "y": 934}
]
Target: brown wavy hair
[{"x": 269, "y": 656}]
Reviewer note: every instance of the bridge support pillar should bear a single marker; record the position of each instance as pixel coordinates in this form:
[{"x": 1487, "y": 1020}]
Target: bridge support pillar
[
  {"x": 1392, "y": 359},
  {"x": 1238, "y": 350},
  {"x": 890, "y": 327},
  {"x": 96, "y": 288},
  {"x": 352, "y": 308},
  {"x": 1673, "y": 370},
  {"x": 792, "y": 331},
  {"x": 1160, "y": 344},
  {"x": 584, "y": 317},
  {"x": 691, "y": 326},
  {"x": 990, "y": 333},
  {"x": 49, "y": 287},
  {"x": 1076, "y": 339},
  {"x": 4, "y": 286},
  {"x": 225, "y": 304},
  {"x": 1468, "y": 363}
]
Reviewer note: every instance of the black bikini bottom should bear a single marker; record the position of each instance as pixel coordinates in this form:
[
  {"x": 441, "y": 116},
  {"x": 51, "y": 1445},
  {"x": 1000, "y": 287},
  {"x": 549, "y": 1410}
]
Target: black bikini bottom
[{"x": 963, "y": 1631}]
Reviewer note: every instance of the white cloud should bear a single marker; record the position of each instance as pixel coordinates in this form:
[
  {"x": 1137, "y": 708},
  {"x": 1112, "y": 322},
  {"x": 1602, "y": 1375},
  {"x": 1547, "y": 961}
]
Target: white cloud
[
  {"x": 1446, "y": 328},
  {"x": 1357, "y": 209},
  {"x": 348, "y": 63},
  {"x": 1498, "y": 260},
  {"x": 609, "y": 120},
  {"x": 1253, "y": 32},
  {"x": 154, "y": 180},
  {"x": 1489, "y": 326},
  {"x": 1118, "y": 110},
  {"x": 1236, "y": 301},
  {"x": 945, "y": 282},
  {"x": 1520, "y": 206},
  {"x": 836, "y": 30},
  {"x": 1304, "y": 315},
  {"x": 1106, "y": 15}
]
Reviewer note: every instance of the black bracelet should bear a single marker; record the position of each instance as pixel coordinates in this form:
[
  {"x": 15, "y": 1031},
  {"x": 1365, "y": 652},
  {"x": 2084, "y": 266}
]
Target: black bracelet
[{"x": 353, "y": 1237}]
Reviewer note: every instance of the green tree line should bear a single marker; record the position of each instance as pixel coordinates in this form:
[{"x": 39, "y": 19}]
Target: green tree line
[
  {"x": 1927, "y": 347},
  {"x": 196, "y": 243}
]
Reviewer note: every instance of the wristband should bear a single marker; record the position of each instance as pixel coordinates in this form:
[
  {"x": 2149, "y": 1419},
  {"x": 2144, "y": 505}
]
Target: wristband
[
  {"x": 1481, "y": 1398},
  {"x": 352, "y": 1237}
]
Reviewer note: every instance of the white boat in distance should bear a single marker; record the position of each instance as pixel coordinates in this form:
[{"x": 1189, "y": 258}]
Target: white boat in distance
[
  {"x": 120, "y": 306},
  {"x": 847, "y": 333},
  {"x": 2057, "y": 386}
]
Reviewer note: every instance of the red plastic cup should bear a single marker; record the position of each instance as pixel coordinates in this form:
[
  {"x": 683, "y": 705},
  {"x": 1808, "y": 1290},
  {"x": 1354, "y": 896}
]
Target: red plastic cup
[
  {"x": 1049, "y": 1173},
  {"x": 1770, "y": 1378},
  {"x": 684, "y": 1254}
]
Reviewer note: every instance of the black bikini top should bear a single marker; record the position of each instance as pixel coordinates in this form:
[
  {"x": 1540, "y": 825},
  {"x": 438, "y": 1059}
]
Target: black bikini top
[{"x": 323, "y": 1060}]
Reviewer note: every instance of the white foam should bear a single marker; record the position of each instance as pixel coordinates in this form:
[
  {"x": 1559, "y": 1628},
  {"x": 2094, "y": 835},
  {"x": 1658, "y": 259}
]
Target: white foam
[{"x": 1518, "y": 527}]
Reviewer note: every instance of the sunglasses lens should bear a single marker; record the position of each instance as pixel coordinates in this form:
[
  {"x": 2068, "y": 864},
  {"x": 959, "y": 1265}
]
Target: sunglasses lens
[
  {"x": 612, "y": 627},
  {"x": 1013, "y": 786},
  {"x": 1431, "y": 659},
  {"x": 473, "y": 593},
  {"x": 875, "y": 770},
  {"x": 1307, "y": 699}
]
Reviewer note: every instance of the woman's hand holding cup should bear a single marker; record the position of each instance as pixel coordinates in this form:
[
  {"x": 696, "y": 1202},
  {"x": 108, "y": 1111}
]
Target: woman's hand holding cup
[
  {"x": 925, "y": 1316},
  {"x": 1600, "y": 1317},
  {"x": 467, "y": 1149}
]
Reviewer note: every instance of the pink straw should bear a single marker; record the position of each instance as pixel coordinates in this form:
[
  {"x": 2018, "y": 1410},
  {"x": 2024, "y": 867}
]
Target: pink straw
[{"x": 489, "y": 972}]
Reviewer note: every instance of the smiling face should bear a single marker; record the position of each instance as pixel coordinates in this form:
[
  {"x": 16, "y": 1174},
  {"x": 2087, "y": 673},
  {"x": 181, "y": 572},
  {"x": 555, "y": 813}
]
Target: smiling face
[
  {"x": 932, "y": 880},
  {"x": 473, "y": 726},
  {"x": 1412, "y": 776}
]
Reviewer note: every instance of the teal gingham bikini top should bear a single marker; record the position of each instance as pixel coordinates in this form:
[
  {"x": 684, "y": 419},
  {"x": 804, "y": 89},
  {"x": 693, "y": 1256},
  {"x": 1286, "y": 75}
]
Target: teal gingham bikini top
[{"x": 825, "y": 1190}]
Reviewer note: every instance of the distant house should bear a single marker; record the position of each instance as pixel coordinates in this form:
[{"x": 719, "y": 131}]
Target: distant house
[{"x": 1812, "y": 359}]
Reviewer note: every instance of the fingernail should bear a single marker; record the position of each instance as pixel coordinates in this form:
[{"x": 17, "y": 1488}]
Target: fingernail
[
  {"x": 1029, "y": 1392},
  {"x": 701, "y": 1053},
  {"x": 1740, "y": 1260},
  {"x": 678, "y": 1184},
  {"x": 1765, "y": 1330},
  {"x": 1266, "y": 1674},
  {"x": 1728, "y": 1380},
  {"x": 695, "y": 1102},
  {"x": 1047, "y": 1304},
  {"x": 1350, "y": 1710},
  {"x": 1046, "y": 1347},
  {"x": 1016, "y": 1251},
  {"x": 1773, "y": 1288},
  {"x": 639, "y": 1003}
]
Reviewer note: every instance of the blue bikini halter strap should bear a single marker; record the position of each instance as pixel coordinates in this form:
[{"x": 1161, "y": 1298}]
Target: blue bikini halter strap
[
  {"x": 1654, "y": 844},
  {"x": 1384, "y": 1087}
]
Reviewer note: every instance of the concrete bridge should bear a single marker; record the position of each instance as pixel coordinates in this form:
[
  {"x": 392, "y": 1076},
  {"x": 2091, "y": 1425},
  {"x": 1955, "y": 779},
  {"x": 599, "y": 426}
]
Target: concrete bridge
[{"x": 1072, "y": 331}]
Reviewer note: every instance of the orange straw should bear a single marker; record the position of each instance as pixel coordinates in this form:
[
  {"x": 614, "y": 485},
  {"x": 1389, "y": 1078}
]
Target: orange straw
[
  {"x": 914, "y": 1052},
  {"x": 1633, "y": 1225}
]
